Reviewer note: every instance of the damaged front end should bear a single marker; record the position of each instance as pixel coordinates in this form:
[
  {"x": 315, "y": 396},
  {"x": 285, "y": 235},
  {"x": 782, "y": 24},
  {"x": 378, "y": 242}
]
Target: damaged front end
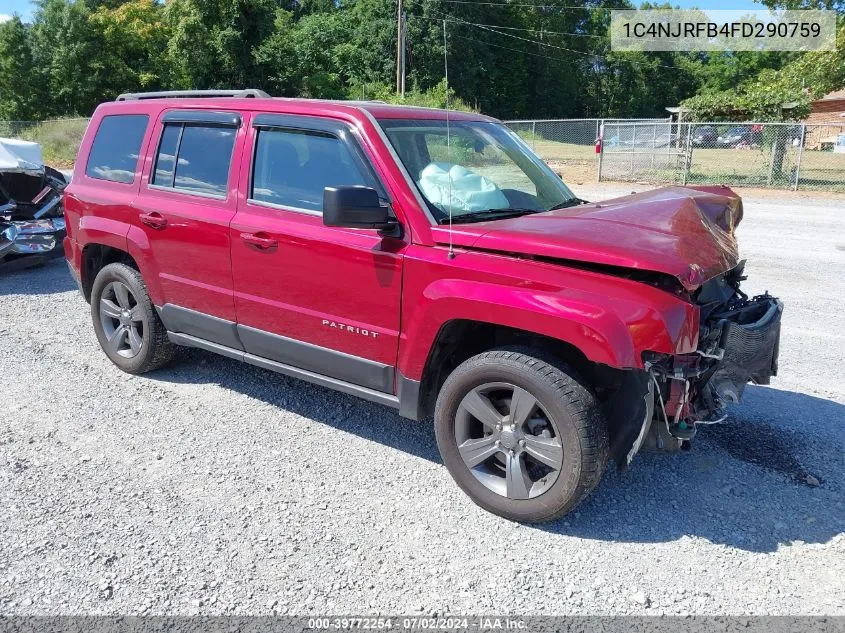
[
  {"x": 32, "y": 225},
  {"x": 660, "y": 408},
  {"x": 738, "y": 343}
]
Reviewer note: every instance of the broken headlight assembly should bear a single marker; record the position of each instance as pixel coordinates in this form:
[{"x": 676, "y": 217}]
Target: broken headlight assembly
[{"x": 739, "y": 342}]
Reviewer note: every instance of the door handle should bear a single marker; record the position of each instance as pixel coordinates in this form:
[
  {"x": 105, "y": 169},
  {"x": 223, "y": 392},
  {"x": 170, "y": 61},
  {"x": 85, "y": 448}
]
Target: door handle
[
  {"x": 259, "y": 241},
  {"x": 153, "y": 219}
]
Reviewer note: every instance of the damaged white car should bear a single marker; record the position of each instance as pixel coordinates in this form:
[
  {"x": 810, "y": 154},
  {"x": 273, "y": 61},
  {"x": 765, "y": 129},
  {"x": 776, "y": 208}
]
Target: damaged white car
[{"x": 32, "y": 224}]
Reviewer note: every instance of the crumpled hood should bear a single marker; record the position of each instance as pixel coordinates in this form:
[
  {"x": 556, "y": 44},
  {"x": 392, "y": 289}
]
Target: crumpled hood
[{"x": 687, "y": 232}]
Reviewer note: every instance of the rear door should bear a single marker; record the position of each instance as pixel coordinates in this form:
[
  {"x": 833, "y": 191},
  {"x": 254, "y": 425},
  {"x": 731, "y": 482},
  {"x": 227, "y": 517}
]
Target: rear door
[
  {"x": 320, "y": 298},
  {"x": 188, "y": 198}
]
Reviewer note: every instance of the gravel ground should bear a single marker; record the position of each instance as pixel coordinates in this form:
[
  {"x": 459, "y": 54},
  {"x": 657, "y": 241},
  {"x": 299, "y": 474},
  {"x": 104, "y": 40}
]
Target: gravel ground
[{"x": 213, "y": 487}]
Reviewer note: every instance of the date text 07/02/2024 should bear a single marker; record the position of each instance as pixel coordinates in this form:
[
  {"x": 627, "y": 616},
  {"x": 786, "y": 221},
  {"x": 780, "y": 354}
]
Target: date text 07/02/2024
[{"x": 485, "y": 623}]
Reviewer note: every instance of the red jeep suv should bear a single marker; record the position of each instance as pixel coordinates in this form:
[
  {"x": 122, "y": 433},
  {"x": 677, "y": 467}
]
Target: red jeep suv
[{"x": 425, "y": 260}]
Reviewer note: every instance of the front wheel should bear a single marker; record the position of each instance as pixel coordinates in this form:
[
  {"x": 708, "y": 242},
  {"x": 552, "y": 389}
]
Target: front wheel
[{"x": 521, "y": 435}]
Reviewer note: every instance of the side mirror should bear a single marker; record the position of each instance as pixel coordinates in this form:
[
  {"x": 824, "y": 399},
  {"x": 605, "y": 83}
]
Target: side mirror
[{"x": 355, "y": 207}]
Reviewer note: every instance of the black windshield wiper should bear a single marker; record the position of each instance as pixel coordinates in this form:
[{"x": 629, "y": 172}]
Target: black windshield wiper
[
  {"x": 488, "y": 214},
  {"x": 572, "y": 202}
]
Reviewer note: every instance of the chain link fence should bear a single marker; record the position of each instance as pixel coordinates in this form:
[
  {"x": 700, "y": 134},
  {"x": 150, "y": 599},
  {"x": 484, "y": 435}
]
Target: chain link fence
[
  {"x": 774, "y": 155},
  {"x": 568, "y": 145},
  {"x": 777, "y": 155},
  {"x": 632, "y": 149}
]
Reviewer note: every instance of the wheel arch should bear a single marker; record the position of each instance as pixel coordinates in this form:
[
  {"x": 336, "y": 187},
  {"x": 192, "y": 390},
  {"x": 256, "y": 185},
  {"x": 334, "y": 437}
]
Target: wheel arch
[
  {"x": 95, "y": 257},
  {"x": 457, "y": 340},
  {"x": 590, "y": 321}
]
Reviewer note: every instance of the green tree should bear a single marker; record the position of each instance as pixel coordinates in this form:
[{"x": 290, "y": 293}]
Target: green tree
[
  {"x": 135, "y": 36},
  {"x": 319, "y": 53},
  {"x": 69, "y": 56},
  {"x": 213, "y": 43},
  {"x": 276, "y": 57},
  {"x": 509, "y": 60},
  {"x": 20, "y": 97}
]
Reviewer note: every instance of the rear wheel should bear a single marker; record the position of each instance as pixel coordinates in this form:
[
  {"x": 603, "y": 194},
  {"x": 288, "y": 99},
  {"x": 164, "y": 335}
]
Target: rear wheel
[
  {"x": 521, "y": 435},
  {"x": 126, "y": 323}
]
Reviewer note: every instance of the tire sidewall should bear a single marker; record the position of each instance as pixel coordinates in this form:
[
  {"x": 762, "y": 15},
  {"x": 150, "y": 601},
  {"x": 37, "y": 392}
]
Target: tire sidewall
[
  {"x": 128, "y": 276},
  {"x": 565, "y": 490}
]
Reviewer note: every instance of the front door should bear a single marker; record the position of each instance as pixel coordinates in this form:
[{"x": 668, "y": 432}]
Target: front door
[{"x": 320, "y": 298}]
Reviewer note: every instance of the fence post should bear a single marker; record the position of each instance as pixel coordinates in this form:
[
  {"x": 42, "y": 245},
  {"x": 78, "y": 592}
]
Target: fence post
[
  {"x": 534, "y": 136},
  {"x": 798, "y": 160},
  {"x": 633, "y": 149},
  {"x": 687, "y": 154},
  {"x": 600, "y": 140},
  {"x": 653, "y": 142},
  {"x": 778, "y": 152}
]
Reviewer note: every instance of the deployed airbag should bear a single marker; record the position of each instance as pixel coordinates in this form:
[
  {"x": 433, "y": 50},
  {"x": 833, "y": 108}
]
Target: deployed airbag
[{"x": 469, "y": 191}]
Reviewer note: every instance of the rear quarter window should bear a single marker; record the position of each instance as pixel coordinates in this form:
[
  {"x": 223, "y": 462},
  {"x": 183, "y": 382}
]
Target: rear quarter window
[{"x": 117, "y": 147}]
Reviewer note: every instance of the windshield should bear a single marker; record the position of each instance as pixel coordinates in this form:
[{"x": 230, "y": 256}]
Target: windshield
[{"x": 485, "y": 172}]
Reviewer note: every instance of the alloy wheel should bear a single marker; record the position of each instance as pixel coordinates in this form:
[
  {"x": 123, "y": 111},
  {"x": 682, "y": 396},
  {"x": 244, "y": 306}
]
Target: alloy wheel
[
  {"x": 508, "y": 441},
  {"x": 122, "y": 320}
]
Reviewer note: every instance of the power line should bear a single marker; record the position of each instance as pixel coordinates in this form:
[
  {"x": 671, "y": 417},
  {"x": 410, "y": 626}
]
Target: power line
[
  {"x": 561, "y": 48},
  {"x": 511, "y": 28},
  {"x": 493, "y": 29},
  {"x": 536, "y": 6},
  {"x": 514, "y": 50},
  {"x": 516, "y": 28}
]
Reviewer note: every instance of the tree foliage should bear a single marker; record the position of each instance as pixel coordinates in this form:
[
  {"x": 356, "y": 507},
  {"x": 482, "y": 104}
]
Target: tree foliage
[
  {"x": 508, "y": 60},
  {"x": 772, "y": 86},
  {"x": 16, "y": 69}
]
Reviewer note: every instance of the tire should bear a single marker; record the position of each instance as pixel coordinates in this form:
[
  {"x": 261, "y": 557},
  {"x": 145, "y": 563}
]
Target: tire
[
  {"x": 565, "y": 428},
  {"x": 143, "y": 345}
]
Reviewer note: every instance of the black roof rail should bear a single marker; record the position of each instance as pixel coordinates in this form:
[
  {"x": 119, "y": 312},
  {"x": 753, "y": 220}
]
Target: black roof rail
[{"x": 187, "y": 94}]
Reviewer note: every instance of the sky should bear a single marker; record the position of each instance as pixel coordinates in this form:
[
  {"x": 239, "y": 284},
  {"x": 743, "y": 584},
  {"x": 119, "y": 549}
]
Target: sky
[{"x": 24, "y": 7}]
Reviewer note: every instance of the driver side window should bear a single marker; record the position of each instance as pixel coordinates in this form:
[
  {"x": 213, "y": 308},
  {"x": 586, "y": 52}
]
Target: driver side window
[{"x": 292, "y": 167}]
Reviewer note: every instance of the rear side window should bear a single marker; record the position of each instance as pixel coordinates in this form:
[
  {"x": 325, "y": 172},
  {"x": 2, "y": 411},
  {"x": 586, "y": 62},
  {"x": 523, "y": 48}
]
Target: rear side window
[
  {"x": 292, "y": 167},
  {"x": 195, "y": 158},
  {"x": 116, "y": 148}
]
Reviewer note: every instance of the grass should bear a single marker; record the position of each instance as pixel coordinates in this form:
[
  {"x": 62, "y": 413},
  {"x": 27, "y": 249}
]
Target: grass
[{"x": 59, "y": 139}]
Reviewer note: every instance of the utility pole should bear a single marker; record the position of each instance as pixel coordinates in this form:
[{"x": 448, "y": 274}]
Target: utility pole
[
  {"x": 404, "y": 46},
  {"x": 400, "y": 48}
]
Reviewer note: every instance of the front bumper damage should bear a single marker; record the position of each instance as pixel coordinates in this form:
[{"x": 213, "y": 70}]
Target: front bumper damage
[
  {"x": 748, "y": 352},
  {"x": 739, "y": 342}
]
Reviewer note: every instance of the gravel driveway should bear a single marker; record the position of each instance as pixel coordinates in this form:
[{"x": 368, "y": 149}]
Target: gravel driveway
[{"x": 215, "y": 487}]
